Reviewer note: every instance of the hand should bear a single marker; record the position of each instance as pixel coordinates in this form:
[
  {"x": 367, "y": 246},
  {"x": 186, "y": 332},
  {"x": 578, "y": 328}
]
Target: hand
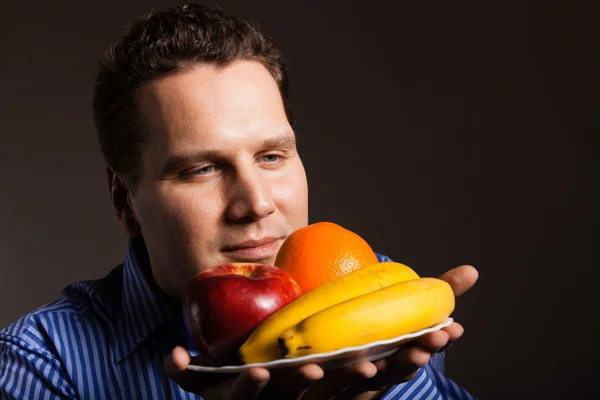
[
  {"x": 260, "y": 383},
  {"x": 404, "y": 364},
  {"x": 362, "y": 380},
  {"x": 252, "y": 384}
]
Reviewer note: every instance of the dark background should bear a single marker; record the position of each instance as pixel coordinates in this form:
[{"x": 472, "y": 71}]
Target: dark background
[{"x": 442, "y": 132}]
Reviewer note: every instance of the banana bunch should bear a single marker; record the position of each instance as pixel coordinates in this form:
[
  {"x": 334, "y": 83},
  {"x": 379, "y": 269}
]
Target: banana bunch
[{"x": 376, "y": 302}]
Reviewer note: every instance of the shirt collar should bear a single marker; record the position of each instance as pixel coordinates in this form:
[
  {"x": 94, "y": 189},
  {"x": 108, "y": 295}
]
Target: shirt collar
[{"x": 143, "y": 307}]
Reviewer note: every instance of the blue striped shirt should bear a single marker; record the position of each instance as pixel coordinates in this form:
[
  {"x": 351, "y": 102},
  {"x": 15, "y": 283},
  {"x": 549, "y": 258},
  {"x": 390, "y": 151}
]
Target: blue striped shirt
[{"x": 107, "y": 339}]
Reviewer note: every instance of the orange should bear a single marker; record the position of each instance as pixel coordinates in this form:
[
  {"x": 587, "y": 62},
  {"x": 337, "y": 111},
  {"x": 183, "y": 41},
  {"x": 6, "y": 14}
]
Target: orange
[{"x": 321, "y": 252}]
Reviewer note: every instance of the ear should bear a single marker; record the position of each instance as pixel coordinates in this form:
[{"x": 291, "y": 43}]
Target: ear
[{"x": 119, "y": 197}]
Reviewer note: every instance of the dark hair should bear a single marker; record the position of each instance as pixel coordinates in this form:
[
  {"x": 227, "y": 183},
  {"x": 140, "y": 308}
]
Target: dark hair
[{"x": 157, "y": 44}]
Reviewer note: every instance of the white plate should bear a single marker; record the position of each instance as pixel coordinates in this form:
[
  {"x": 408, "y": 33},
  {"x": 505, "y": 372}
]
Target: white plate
[{"x": 334, "y": 359}]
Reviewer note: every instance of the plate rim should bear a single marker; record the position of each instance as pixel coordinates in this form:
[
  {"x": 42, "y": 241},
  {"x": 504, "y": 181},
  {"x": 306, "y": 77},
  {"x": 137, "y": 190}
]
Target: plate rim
[{"x": 315, "y": 358}]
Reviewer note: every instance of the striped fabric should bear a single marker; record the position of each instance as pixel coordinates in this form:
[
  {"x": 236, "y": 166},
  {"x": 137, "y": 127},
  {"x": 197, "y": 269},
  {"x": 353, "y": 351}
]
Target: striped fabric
[{"x": 107, "y": 339}]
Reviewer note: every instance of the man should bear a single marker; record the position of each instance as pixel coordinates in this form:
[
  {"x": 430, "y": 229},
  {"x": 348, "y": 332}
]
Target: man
[{"x": 192, "y": 114}]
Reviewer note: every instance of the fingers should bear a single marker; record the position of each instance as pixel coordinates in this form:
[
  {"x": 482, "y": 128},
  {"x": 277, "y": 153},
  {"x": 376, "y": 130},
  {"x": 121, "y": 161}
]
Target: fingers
[
  {"x": 400, "y": 367},
  {"x": 335, "y": 381},
  {"x": 433, "y": 341},
  {"x": 454, "y": 331},
  {"x": 460, "y": 278},
  {"x": 376, "y": 377},
  {"x": 179, "y": 360},
  {"x": 292, "y": 384},
  {"x": 438, "y": 341},
  {"x": 403, "y": 365},
  {"x": 210, "y": 386},
  {"x": 279, "y": 384},
  {"x": 249, "y": 384},
  {"x": 175, "y": 368},
  {"x": 408, "y": 360}
]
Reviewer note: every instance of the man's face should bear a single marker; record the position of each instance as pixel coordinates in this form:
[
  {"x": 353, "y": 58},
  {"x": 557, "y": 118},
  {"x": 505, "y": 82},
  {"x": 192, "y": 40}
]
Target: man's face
[{"x": 222, "y": 180}]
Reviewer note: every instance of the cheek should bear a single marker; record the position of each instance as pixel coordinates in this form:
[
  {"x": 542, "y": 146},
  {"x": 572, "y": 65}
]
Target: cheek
[
  {"x": 291, "y": 195},
  {"x": 198, "y": 214},
  {"x": 181, "y": 213}
]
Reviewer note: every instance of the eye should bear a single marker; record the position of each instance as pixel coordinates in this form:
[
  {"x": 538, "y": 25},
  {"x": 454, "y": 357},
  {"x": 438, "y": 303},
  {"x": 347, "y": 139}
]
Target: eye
[
  {"x": 200, "y": 171},
  {"x": 205, "y": 170},
  {"x": 271, "y": 158}
]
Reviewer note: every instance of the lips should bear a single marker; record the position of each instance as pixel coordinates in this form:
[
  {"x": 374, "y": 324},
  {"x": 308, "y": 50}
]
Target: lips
[
  {"x": 250, "y": 243},
  {"x": 254, "y": 250}
]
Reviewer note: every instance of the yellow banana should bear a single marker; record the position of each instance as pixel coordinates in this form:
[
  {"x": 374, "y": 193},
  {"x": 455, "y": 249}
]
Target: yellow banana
[
  {"x": 262, "y": 346},
  {"x": 383, "y": 314}
]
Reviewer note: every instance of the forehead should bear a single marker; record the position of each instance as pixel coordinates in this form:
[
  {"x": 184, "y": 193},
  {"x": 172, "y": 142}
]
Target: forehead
[{"x": 208, "y": 105}]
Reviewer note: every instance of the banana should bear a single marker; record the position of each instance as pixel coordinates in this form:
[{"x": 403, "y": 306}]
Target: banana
[
  {"x": 262, "y": 346},
  {"x": 383, "y": 314}
]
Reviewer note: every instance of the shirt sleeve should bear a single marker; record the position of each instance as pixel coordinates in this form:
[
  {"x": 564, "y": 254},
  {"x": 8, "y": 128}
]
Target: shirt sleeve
[
  {"x": 428, "y": 384},
  {"x": 446, "y": 386},
  {"x": 28, "y": 370}
]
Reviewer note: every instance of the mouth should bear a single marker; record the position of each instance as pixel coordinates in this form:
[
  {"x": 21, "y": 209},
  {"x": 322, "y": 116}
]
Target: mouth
[{"x": 254, "y": 250}]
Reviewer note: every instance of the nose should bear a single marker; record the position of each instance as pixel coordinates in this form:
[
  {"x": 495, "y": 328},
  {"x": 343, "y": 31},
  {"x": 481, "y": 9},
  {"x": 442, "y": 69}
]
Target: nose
[{"x": 251, "y": 197}]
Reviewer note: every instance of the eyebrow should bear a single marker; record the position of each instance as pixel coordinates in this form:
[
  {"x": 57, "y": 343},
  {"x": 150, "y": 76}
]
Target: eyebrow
[{"x": 286, "y": 141}]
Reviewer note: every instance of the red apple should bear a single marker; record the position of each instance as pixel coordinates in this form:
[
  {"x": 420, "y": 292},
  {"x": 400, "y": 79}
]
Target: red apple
[{"x": 224, "y": 304}]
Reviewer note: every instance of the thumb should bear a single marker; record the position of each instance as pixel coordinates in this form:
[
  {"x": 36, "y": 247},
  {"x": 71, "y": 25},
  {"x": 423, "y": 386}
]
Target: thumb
[
  {"x": 175, "y": 367},
  {"x": 461, "y": 279},
  {"x": 176, "y": 364},
  {"x": 214, "y": 386}
]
